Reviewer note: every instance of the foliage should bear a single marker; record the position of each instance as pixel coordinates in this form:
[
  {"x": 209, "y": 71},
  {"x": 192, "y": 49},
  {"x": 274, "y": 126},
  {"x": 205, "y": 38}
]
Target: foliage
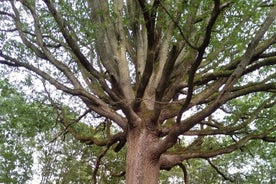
[
  {"x": 20, "y": 122},
  {"x": 27, "y": 132}
]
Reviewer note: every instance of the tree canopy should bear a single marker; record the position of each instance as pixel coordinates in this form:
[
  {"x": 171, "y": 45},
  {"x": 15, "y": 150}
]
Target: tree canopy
[{"x": 172, "y": 80}]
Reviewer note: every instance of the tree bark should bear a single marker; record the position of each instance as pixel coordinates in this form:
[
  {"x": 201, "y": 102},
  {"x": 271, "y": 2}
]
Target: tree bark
[{"x": 142, "y": 163}]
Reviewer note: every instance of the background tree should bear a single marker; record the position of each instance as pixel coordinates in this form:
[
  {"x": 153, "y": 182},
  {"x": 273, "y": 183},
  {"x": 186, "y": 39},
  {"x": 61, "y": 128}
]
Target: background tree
[
  {"x": 34, "y": 145},
  {"x": 22, "y": 125},
  {"x": 153, "y": 73},
  {"x": 16, "y": 160}
]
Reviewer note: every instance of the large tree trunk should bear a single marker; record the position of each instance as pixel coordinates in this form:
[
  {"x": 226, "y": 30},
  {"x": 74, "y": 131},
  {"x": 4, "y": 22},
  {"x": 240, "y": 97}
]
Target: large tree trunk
[{"x": 142, "y": 162}]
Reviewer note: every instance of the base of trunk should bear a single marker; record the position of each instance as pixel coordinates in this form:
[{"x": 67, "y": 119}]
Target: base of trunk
[{"x": 142, "y": 167}]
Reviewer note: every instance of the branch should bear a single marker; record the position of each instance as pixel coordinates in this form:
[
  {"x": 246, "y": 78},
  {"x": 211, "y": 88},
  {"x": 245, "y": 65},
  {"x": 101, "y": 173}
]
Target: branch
[
  {"x": 70, "y": 124},
  {"x": 112, "y": 139},
  {"x": 178, "y": 27},
  {"x": 144, "y": 79},
  {"x": 90, "y": 100},
  {"x": 168, "y": 161},
  {"x": 98, "y": 162},
  {"x": 6, "y": 13},
  {"x": 123, "y": 173},
  {"x": 234, "y": 127},
  {"x": 202, "y": 79},
  {"x": 59, "y": 65},
  {"x": 149, "y": 18},
  {"x": 223, "y": 94},
  {"x": 201, "y": 50},
  {"x": 89, "y": 140},
  {"x": 228, "y": 149},
  {"x": 8, "y": 63},
  {"x": 19, "y": 28},
  {"x": 219, "y": 172},
  {"x": 265, "y": 62},
  {"x": 269, "y": 139},
  {"x": 210, "y": 124},
  {"x": 251, "y": 88},
  {"x": 69, "y": 39},
  {"x": 14, "y": 62},
  {"x": 185, "y": 173},
  {"x": 172, "y": 109},
  {"x": 249, "y": 53}
]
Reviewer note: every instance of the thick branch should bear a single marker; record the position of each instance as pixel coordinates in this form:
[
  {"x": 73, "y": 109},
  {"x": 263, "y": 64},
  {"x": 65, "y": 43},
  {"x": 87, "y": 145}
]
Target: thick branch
[
  {"x": 168, "y": 161},
  {"x": 149, "y": 19}
]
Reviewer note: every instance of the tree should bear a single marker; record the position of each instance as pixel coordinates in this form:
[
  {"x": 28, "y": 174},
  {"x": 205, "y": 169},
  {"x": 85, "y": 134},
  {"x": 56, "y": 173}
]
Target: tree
[
  {"x": 21, "y": 125},
  {"x": 12, "y": 169},
  {"x": 153, "y": 73}
]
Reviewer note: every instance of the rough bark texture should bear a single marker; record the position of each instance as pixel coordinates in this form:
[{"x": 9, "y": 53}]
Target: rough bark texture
[{"x": 142, "y": 164}]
